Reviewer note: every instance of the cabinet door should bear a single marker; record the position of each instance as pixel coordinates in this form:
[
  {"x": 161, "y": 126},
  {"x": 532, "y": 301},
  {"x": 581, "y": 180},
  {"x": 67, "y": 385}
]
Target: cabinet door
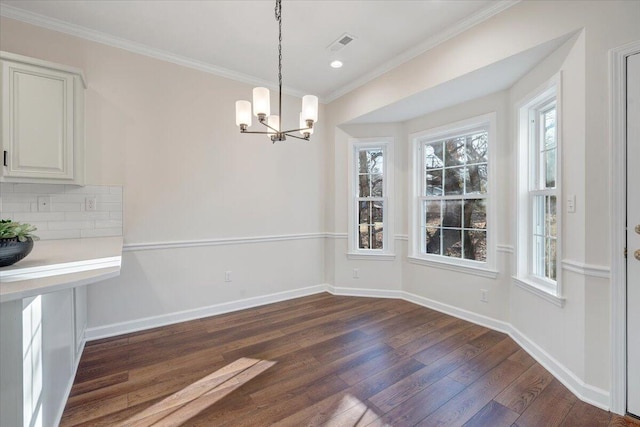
[{"x": 38, "y": 121}]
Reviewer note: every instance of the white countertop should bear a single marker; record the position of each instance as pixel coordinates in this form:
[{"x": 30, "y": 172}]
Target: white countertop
[{"x": 54, "y": 265}]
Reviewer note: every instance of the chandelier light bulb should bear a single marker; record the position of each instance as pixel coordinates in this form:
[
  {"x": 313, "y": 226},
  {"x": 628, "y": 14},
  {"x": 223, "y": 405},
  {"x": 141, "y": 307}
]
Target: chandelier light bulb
[
  {"x": 310, "y": 108},
  {"x": 274, "y": 122},
  {"x": 261, "y": 102},
  {"x": 243, "y": 113}
]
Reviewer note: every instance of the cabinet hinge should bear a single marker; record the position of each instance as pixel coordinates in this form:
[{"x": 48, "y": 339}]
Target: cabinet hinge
[{"x": 4, "y": 161}]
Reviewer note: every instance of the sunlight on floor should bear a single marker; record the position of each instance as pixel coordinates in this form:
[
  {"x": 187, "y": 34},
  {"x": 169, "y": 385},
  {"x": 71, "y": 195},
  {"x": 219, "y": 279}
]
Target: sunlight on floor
[
  {"x": 351, "y": 412},
  {"x": 195, "y": 398}
]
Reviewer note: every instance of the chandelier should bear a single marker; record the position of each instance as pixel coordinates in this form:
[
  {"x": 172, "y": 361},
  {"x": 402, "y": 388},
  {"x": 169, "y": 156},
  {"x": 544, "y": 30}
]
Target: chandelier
[{"x": 262, "y": 104}]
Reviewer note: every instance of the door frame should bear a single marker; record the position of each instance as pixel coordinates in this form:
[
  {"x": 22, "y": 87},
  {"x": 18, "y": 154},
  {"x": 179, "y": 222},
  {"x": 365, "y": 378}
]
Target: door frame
[{"x": 618, "y": 171}]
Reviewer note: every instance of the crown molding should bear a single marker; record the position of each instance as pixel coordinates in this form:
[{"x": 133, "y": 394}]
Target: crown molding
[
  {"x": 142, "y": 49},
  {"x": 423, "y": 47},
  {"x": 139, "y": 48}
]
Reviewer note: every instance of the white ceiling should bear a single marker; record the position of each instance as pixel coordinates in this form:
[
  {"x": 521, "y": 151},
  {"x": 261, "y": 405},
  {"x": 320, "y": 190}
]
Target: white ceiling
[{"x": 238, "y": 39}]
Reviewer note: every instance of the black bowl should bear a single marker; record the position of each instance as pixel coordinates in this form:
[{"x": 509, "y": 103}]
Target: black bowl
[{"x": 13, "y": 250}]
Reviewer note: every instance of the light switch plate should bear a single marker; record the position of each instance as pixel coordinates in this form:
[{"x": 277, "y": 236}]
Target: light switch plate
[{"x": 44, "y": 204}]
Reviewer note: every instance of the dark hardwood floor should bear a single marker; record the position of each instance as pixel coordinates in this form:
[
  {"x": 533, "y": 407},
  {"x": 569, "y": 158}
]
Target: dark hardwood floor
[{"x": 321, "y": 360}]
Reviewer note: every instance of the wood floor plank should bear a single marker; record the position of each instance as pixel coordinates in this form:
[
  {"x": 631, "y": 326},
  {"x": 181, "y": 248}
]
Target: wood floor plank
[
  {"x": 583, "y": 414},
  {"x": 493, "y": 414},
  {"x": 319, "y": 360},
  {"x": 462, "y": 407},
  {"x": 550, "y": 407},
  {"x": 423, "y": 403},
  {"x": 520, "y": 393}
]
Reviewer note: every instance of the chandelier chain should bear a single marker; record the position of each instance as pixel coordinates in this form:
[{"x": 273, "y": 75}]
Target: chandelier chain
[{"x": 279, "y": 18}]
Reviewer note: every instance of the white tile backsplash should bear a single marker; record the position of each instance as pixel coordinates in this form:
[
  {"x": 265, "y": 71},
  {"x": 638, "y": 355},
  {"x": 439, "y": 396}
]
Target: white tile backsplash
[{"x": 66, "y": 217}]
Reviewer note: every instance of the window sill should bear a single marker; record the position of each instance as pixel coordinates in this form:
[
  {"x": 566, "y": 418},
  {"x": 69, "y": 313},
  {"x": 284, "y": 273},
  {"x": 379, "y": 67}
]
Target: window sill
[
  {"x": 476, "y": 271},
  {"x": 371, "y": 257},
  {"x": 539, "y": 291}
]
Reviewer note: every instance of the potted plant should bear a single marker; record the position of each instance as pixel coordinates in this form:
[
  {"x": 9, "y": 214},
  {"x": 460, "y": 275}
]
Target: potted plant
[{"x": 16, "y": 241}]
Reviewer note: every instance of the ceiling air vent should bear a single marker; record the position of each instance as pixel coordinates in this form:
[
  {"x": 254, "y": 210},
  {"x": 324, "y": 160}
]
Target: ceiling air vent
[{"x": 341, "y": 42}]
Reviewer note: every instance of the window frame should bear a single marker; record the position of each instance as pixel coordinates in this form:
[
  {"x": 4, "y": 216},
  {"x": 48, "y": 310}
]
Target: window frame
[
  {"x": 417, "y": 170},
  {"x": 528, "y": 136},
  {"x": 385, "y": 144}
]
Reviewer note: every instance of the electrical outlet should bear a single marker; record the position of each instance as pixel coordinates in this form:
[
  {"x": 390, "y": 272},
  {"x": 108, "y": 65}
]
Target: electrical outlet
[
  {"x": 90, "y": 204},
  {"x": 356, "y": 273},
  {"x": 44, "y": 204},
  {"x": 227, "y": 276},
  {"x": 484, "y": 295},
  {"x": 571, "y": 203}
]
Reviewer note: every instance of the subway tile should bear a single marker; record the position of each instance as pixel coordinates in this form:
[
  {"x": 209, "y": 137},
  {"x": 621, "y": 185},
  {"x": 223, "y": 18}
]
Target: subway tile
[
  {"x": 115, "y": 189},
  {"x": 39, "y": 188},
  {"x": 66, "y": 207},
  {"x": 87, "y": 189},
  {"x": 58, "y": 234},
  {"x": 109, "y": 198},
  {"x": 108, "y": 207},
  {"x": 16, "y": 207},
  {"x": 84, "y": 215},
  {"x": 102, "y": 232},
  {"x": 6, "y": 187},
  {"x": 109, "y": 224},
  {"x": 71, "y": 225},
  {"x": 115, "y": 215},
  {"x": 20, "y": 198},
  {"x": 69, "y": 198},
  {"x": 39, "y": 216}
]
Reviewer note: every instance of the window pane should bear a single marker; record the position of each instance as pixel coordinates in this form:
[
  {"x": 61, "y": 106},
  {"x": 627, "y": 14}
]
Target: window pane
[
  {"x": 363, "y": 162},
  {"x": 432, "y": 239},
  {"x": 365, "y": 213},
  {"x": 475, "y": 245},
  {"x": 550, "y": 255},
  {"x": 433, "y": 155},
  {"x": 539, "y": 215},
  {"x": 432, "y": 213},
  {"x": 363, "y": 232},
  {"x": 434, "y": 182},
  {"x": 375, "y": 163},
  {"x": 454, "y": 181},
  {"x": 376, "y": 185},
  {"x": 452, "y": 213},
  {"x": 477, "y": 148},
  {"x": 552, "y": 227},
  {"x": 376, "y": 212},
  {"x": 476, "y": 178},
  {"x": 549, "y": 123},
  {"x": 550, "y": 168},
  {"x": 475, "y": 213},
  {"x": 454, "y": 151},
  {"x": 377, "y": 236},
  {"x": 452, "y": 244},
  {"x": 363, "y": 185},
  {"x": 538, "y": 256}
]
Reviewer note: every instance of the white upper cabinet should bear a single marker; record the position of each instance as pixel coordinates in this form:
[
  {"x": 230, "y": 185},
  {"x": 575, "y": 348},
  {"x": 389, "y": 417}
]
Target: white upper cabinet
[{"x": 42, "y": 121}]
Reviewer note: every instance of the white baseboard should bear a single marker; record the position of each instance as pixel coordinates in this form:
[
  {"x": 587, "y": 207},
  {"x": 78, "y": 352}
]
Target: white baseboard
[
  {"x": 197, "y": 313},
  {"x": 460, "y": 313},
  {"x": 358, "y": 292},
  {"x": 590, "y": 394}
]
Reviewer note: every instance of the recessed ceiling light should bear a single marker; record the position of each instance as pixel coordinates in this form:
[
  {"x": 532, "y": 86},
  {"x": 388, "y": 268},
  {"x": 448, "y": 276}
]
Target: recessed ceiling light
[{"x": 336, "y": 64}]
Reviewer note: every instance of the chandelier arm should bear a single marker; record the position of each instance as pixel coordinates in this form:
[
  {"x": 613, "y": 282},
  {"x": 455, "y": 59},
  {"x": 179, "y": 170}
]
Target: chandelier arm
[
  {"x": 270, "y": 127},
  {"x": 296, "y": 137},
  {"x": 257, "y": 131}
]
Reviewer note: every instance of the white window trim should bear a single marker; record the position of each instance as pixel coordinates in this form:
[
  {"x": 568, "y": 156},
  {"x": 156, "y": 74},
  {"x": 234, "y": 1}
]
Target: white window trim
[
  {"x": 524, "y": 278},
  {"x": 488, "y": 268},
  {"x": 387, "y": 253}
]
